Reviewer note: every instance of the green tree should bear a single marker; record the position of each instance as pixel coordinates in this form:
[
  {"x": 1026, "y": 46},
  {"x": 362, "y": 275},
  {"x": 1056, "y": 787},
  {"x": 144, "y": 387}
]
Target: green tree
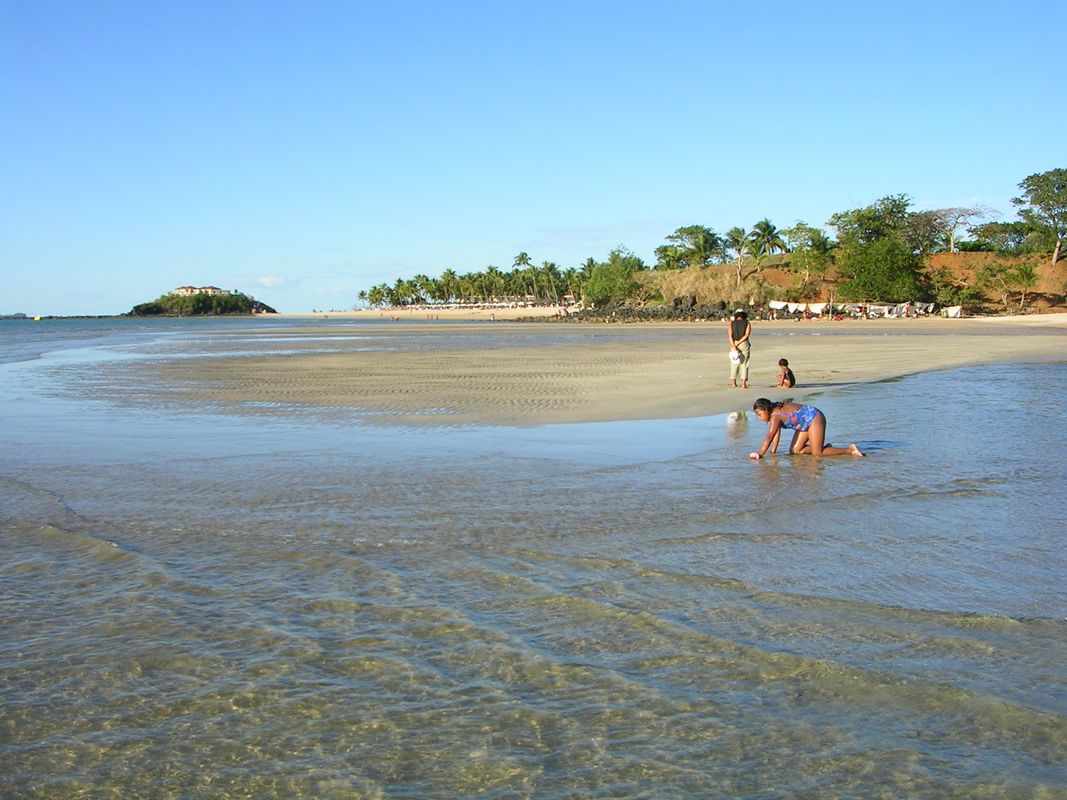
[
  {"x": 996, "y": 278},
  {"x": 946, "y": 289},
  {"x": 670, "y": 256},
  {"x": 883, "y": 219},
  {"x": 1043, "y": 204},
  {"x": 1006, "y": 238},
  {"x": 697, "y": 245},
  {"x": 812, "y": 251},
  {"x": 884, "y": 270},
  {"x": 613, "y": 281}
]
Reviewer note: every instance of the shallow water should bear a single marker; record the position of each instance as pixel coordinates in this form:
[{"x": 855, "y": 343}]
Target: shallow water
[{"x": 200, "y": 605}]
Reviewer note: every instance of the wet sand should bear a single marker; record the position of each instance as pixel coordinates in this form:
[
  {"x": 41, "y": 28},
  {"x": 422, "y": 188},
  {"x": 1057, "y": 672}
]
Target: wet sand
[{"x": 509, "y": 373}]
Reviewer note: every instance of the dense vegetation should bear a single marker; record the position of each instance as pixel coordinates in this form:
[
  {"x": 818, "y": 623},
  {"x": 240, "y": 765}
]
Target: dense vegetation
[
  {"x": 201, "y": 304},
  {"x": 879, "y": 252}
]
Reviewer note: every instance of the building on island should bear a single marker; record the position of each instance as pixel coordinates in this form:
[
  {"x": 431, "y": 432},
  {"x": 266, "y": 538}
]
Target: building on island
[{"x": 188, "y": 290}]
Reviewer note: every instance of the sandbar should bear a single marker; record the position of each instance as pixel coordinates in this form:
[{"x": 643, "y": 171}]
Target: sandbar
[{"x": 514, "y": 373}]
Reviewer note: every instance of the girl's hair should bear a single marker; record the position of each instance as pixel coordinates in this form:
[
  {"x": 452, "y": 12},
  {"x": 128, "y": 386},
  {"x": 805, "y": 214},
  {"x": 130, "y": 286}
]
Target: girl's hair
[
  {"x": 763, "y": 404},
  {"x": 783, "y": 362}
]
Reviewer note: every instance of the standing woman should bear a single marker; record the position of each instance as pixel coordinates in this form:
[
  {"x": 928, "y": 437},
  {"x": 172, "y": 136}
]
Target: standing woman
[{"x": 740, "y": 331}]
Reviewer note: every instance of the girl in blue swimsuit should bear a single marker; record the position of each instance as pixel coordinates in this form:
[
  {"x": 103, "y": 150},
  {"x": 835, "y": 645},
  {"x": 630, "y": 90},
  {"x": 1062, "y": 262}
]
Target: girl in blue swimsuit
[{"x": 807, "y": 423}]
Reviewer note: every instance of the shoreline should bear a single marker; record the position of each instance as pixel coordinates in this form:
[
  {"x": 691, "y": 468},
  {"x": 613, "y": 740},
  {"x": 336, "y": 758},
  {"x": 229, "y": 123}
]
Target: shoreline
[{"x": 520, "y": 374}]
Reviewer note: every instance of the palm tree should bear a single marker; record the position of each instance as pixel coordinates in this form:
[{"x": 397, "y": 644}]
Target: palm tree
[
  {"x": 376, "y": 295},
  {"x": 766, "y": 239},
  {"x": 529, "y": 281},
  {"x": 821, "y": 243},
  {"x": 1025, "y": 278},
  {"x": 403, "y": 291},
  {"x": 738, "y": 241},
  {"x": 494, "y": 281},
  {"x": 550, "y": 279},
  {"x": 587, "y": 268},
  {"x": 423, "y": 286},
  {"x": 703, "y": 246},
  {"x": 573, "y": 281},
  {"x": 669, "y": 256},
  {"x": 362, "y": 296},
  {"x": 448, "y": 283},
  {"x": 522, "y": 260},
  {"x": 697, "y": 245},
  {"x": 465, "y": 287}
]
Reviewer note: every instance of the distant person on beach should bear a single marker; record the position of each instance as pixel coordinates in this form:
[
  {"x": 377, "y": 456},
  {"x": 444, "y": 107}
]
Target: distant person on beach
[
  {"x": 739, "y": 331},
  {"x": 807, "y": 423},
  {"x": 786, "y": 378}
]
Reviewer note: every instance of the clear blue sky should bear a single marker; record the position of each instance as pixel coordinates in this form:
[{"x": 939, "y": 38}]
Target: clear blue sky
[{"x": 300, "y": 152}]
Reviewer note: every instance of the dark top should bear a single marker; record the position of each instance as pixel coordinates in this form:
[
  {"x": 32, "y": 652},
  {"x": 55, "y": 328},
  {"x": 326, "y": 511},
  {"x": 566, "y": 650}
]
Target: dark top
[
  {"x": 789, "y": 376},
  {"x": 737, "y": 328}
]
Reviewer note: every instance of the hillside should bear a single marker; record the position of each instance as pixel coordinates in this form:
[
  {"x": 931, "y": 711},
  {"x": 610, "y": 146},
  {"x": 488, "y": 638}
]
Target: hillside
[{"x": 775, "y": 281}]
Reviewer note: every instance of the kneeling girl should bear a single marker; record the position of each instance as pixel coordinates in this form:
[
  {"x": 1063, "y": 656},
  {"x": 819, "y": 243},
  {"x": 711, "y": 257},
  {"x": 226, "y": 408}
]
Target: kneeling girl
[{"x": 807, "y": 423}]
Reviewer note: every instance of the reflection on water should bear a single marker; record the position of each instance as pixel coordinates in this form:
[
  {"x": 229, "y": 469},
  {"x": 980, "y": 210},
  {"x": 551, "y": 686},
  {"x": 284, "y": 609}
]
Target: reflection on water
[{"x": 200, "y": 606}]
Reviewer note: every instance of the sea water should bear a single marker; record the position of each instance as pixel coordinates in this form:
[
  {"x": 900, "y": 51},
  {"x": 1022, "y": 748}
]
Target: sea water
[{"x": 196, "y": 604}]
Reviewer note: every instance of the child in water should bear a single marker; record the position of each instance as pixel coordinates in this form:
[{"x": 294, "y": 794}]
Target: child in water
[
  {"x": 786, "y": 378},
  {"x": 807, "y": 423}
]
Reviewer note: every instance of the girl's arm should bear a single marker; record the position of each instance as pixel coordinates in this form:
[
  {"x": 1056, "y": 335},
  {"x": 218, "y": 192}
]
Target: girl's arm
[{"x": 774, "y": 429}]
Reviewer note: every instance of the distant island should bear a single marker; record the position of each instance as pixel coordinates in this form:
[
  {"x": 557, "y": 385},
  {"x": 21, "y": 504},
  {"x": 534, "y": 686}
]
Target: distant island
[{"x": 202, "y": 301}]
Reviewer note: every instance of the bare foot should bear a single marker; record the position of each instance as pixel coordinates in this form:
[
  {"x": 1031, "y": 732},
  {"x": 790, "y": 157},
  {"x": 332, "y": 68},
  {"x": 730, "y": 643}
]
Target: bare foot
[
  {"x": 744, "y": 385},
  {"x": 855, "y": 450}
]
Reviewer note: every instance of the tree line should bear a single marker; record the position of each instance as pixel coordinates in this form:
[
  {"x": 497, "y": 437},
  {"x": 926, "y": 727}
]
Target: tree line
[{"x": 879, "y": 252}]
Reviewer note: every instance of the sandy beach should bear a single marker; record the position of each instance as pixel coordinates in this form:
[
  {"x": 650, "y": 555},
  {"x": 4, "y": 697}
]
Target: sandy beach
[{"x": 549, "y": 373}]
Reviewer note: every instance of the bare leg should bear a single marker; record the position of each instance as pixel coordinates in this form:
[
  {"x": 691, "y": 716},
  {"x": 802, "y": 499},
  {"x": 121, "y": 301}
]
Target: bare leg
[
  {"x": 800, "y": 441},
  {"x": 817, "y": 432}
]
